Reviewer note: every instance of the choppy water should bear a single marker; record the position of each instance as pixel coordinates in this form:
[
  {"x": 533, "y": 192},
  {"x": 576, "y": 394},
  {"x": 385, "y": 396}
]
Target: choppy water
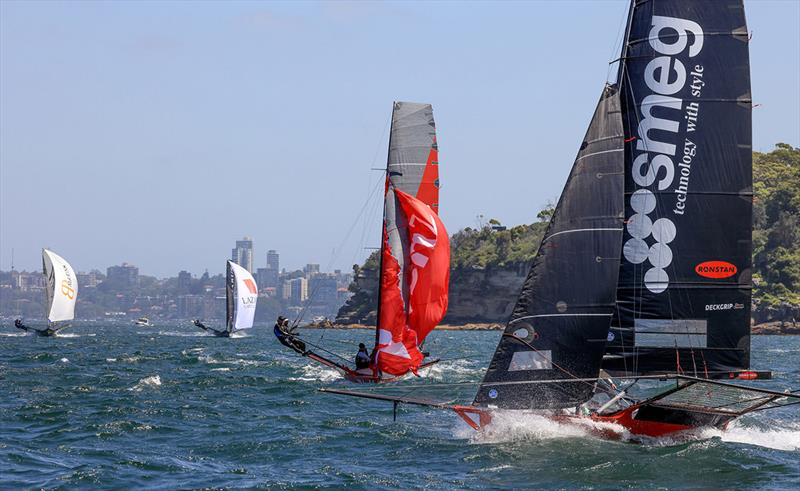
[{"x": 168, "y": 407}]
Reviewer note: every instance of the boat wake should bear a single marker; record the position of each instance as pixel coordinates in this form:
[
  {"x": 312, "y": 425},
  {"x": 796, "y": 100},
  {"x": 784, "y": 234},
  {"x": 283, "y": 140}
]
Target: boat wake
[
  {"x": 316, "y": 373},
  {"x": 782, "y": 436},
  {"x": 12, "y": 334},
  {"x": 508, "y": 426},
  {"x": 178, "y": 334}
]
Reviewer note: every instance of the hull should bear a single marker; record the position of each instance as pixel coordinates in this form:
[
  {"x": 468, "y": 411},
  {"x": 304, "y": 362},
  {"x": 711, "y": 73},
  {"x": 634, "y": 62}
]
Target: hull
[
  {"x": 639, "y": 419},
  {"x": 361, "y": 378},
  {"x": 355, "y": 376}
]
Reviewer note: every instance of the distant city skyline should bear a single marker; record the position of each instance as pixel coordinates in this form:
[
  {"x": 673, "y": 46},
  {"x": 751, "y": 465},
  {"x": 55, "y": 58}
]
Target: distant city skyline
[{"x": 159, "y": 133}]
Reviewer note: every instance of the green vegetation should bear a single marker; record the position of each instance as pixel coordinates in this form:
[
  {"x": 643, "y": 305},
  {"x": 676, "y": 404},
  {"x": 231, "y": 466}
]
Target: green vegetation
[
  {"x": 776, "y": 236},
  {"x": 487, "y": 247}
]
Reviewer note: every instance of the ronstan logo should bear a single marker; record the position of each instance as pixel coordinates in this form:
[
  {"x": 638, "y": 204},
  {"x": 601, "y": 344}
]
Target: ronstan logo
[{"x": 716, "y": 269}]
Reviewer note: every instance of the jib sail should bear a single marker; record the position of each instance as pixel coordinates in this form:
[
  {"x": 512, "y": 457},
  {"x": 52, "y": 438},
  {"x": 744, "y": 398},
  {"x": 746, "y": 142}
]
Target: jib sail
[
  {"x": 558, "y": 329},
  {"x": 685, "y": 270},
  {"x": 242, "y": 296},
  {"x": 62, "y": 287},
  {"x": 415, "y": 255}
]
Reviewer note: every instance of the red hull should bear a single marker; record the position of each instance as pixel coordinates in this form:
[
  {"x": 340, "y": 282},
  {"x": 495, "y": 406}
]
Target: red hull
[{"x": 638, "y": 420}]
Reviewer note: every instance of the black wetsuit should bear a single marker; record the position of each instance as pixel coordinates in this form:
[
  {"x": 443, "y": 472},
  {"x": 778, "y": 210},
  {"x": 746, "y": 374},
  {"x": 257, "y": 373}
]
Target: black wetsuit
[
  {"x": 284, "y": 335},
  {"x": 222, "y": 334},
  {"x": 39, "y": 332},
  {"x": 362, "y": 359}
]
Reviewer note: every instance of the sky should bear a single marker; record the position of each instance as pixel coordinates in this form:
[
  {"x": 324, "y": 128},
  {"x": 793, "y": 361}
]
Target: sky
[{"x": 159, "y": 133}]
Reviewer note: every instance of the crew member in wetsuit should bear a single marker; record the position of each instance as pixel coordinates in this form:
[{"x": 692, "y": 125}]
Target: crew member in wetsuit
[
  {"x": 362, "y": 357},
  {"x": 285, "y": 335},
  {"x": 200, "y": 324},
  {"x": 41, "y": 332}
]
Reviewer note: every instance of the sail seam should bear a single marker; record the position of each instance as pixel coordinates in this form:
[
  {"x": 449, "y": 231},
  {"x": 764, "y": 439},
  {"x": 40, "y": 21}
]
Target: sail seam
[
  {"x": 599, "y": 153},
  {"x": 584, "y": 230}
]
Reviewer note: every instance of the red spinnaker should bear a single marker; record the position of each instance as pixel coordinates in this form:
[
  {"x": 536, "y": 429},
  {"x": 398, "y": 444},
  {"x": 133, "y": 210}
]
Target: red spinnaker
[{"x": 404, "y": 322}]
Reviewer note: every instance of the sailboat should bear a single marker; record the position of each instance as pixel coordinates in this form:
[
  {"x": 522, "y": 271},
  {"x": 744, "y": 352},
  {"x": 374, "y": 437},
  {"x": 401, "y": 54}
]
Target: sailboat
[
  {"x": 241, "y": 294},
  {"x": 643, "y": 276},
  {"x": 61, "y": 291},
  {"x": 414, "y": 256}
]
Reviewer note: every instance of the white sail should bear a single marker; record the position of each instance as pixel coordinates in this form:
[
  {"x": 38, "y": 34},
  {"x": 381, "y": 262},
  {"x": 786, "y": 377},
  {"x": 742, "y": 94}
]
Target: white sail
[
  {"x": 242, "y": 297},
  {"x": 62, "y": 287}
]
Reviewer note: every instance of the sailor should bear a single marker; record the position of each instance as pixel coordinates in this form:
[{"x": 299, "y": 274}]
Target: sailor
[
  {"x": 362, "y": 357},
  {"x": 19, "y": 325},
  {"x": 285, "y": 335},
  {"x": 200, "y": 324}
]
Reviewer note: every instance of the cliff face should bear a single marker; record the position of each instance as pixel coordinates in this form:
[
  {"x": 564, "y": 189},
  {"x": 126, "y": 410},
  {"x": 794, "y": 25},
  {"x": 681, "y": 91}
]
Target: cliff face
[{"x": 477, "y": 295}]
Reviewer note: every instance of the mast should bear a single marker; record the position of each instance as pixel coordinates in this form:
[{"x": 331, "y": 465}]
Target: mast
[
  {"x": 230, "y": 297},
  {"x": 684, "y": 294},
  {"x": 559, "y": 325},
  {"x": 383, "y": 231}
]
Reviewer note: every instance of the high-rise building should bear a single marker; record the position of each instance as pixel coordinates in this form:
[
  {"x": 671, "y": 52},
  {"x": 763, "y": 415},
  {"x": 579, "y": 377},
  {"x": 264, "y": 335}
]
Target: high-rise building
[
  {"x": 124, "y": 276},
  {"x": 266, "y": 278},
  {"x": 242, "y": 254},
  {"x": 299, "y": 291},
  {"x": 311, "y": 269},
  {"x": 184, "y": 281},
  {"x": 273, "y": 260},
  {"x": 324, "y": 289}
]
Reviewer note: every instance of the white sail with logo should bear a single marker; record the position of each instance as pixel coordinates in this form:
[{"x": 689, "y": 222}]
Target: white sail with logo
[
  {"x": 62, "y": 287},
  {"x": 242, "y": 296}
]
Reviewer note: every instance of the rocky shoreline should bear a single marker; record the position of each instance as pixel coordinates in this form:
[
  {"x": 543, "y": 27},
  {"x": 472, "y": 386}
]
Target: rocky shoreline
[{"x": 772, "y": 328}]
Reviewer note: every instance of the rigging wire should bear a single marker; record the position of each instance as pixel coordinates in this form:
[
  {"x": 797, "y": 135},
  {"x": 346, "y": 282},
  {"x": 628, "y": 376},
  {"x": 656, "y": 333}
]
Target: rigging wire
[{"x": 371, "y": 194}]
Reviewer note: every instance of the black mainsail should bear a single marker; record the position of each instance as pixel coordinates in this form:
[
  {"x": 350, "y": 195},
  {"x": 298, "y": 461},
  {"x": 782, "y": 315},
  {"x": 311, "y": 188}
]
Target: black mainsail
[
  {"x": 559, "y": 325},
  {"x": 685, "y": 271}
]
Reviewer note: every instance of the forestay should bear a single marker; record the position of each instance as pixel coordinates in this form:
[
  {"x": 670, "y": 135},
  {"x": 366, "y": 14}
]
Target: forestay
[
  {"x": 242, "y": 296},
  {"x": 62, "y": 287},
  {"x": 685, "y": 271},
  {"x": 559, "y": 325}
]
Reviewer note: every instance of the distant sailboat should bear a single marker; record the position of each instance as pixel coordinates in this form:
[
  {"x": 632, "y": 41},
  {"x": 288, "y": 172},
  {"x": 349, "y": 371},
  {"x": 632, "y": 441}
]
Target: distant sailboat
[
  {"x": 241, "y": 298},
  {"x": 143, "y": 322},
  {"x": 61, "y": 291},
  {"x": 415, "y": 252},
  {"x": 631, "y": 279}
]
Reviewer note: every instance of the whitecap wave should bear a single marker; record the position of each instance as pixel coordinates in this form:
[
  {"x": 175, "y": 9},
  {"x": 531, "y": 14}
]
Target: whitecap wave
[
  {"x": 450, "y": 369},
  {"x": 147, "y": 382},
  {"x": 64, "y": 360}
]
